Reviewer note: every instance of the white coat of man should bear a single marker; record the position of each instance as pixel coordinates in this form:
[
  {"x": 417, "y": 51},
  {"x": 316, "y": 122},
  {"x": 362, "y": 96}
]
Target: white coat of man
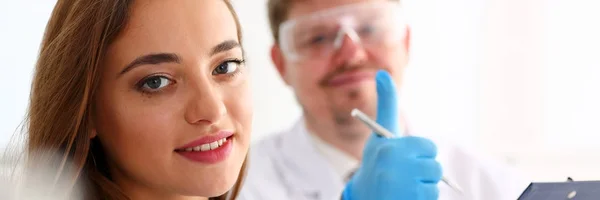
[{"x": 328, "y": 52}]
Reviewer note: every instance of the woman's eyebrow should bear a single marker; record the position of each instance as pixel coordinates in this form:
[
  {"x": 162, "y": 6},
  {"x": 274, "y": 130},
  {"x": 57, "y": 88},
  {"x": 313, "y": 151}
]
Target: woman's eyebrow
[
  {"x": 158, "y": 58},
  {"x": 224, "y": 46},
  {"x": 152, "y": 59}
]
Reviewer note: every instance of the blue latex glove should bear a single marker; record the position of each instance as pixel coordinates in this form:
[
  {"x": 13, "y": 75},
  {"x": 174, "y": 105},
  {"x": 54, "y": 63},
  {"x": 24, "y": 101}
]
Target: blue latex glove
[{"x": 402, "y": 168}]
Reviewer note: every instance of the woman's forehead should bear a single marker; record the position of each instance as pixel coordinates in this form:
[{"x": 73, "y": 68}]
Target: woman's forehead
[{"x": 174, "y": 26}]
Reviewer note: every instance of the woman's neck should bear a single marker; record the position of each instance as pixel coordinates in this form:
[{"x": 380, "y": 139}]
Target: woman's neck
[
  {"x": 138, "y": 193},
  {"x": 135, "y": 190}
]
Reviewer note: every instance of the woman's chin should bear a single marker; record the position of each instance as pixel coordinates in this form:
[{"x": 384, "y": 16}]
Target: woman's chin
[
  {"x": 213, "y": 191},
  {"x": 204, "y": 188},
  {"x": 206, "y": 181}
]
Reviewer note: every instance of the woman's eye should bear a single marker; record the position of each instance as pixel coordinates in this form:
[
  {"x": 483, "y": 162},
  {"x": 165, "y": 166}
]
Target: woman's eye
[
  {"x": 155, "y": 83},
  {"x": 227, "y": 67}
]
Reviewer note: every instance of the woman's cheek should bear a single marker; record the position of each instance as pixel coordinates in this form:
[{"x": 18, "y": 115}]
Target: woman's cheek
[
  {"x": 131, "y": 125},
  {"x": 241, "y": 109}
]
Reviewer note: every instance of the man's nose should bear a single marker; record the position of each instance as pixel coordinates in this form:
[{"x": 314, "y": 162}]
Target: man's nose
[{"x": 348, "y": 48}]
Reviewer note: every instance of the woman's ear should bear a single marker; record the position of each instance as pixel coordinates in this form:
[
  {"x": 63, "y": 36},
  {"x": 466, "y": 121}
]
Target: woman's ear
[
  {"x": 93, "y": 134},
  {"x": 92, "y": 122}
]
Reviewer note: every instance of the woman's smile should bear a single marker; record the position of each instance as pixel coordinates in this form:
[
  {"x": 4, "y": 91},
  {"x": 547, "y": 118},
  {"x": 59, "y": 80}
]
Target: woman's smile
[{"x": 209, "y": 149}]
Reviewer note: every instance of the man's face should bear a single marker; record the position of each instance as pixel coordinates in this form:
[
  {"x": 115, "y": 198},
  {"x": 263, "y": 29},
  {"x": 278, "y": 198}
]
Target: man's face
[{"x": 330, "y": 83}]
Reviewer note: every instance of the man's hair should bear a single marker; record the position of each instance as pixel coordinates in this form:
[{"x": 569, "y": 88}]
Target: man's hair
[{"x": 278, "y": 13}]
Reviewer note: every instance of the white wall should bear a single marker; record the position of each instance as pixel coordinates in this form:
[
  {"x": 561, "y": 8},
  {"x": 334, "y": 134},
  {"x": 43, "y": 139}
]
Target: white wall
[
  {"x": 518, "y": 79},
  {"x": 21, "y": 28}
]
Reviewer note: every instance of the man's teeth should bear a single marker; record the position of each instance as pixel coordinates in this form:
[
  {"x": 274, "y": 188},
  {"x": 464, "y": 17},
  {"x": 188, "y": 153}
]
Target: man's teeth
[{"x": 208, "y": 146}]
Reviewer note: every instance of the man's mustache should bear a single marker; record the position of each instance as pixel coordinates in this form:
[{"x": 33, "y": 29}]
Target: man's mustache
[{"x": 344, "y": 69}]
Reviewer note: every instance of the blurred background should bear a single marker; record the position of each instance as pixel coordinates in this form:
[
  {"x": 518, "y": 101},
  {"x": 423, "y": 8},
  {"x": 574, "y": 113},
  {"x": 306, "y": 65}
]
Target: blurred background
[{"x": 515, "y": 79}]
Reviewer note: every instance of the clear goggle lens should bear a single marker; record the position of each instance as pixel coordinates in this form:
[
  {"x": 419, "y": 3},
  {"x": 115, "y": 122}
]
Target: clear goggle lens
[{"x": 318, "y": 35}]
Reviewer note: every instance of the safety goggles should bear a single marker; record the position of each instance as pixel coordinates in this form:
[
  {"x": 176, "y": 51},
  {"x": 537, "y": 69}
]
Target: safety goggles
[{"x": 318, "y": 35}]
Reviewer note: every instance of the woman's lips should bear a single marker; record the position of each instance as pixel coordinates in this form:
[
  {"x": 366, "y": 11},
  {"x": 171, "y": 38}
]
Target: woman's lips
[
  {"x": 208, "y": 149},
  {"x": 207, "y": 139}
]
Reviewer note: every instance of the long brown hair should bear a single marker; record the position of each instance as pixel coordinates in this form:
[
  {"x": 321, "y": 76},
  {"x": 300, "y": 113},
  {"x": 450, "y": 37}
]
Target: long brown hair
[{"x": 60, "y": 114}]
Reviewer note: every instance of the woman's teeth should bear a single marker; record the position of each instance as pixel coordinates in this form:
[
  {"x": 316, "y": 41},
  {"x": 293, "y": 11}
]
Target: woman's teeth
[{"x": 208, "y": 146}]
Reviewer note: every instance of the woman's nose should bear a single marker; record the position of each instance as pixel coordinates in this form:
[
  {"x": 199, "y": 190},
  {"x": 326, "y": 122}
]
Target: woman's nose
[{"x": 205, "y": 104}]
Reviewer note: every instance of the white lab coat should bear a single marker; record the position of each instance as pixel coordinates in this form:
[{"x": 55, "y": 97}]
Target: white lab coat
[{"x": 287, "y": 166}]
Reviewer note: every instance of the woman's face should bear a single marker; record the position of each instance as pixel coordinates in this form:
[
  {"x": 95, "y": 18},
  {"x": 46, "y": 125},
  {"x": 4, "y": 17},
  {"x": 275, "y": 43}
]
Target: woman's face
[{"x": 173, "y": 109}]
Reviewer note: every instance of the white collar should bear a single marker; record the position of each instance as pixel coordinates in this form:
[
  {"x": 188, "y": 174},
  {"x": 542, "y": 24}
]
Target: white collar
[{"x": 341, "y": 162}]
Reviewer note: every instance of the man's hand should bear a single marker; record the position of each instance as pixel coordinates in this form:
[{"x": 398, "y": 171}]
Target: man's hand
[{"x": 402, "y": 168}]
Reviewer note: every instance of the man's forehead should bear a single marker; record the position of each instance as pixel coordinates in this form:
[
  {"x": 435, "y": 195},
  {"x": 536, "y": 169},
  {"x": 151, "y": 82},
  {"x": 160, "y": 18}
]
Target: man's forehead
[{"x": 304, "y": 7}]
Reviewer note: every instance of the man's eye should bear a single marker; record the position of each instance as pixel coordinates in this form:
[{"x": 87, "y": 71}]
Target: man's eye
[
  {"x": 317, "y": 39},
  {"x": 367, "y": 29},
  {"x": 155, "y": 83},
  {"x": 227, "y": 67}
]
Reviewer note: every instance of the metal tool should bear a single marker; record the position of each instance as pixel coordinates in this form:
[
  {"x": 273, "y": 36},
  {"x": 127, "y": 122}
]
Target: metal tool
[{"x": 380, "y": 130}]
